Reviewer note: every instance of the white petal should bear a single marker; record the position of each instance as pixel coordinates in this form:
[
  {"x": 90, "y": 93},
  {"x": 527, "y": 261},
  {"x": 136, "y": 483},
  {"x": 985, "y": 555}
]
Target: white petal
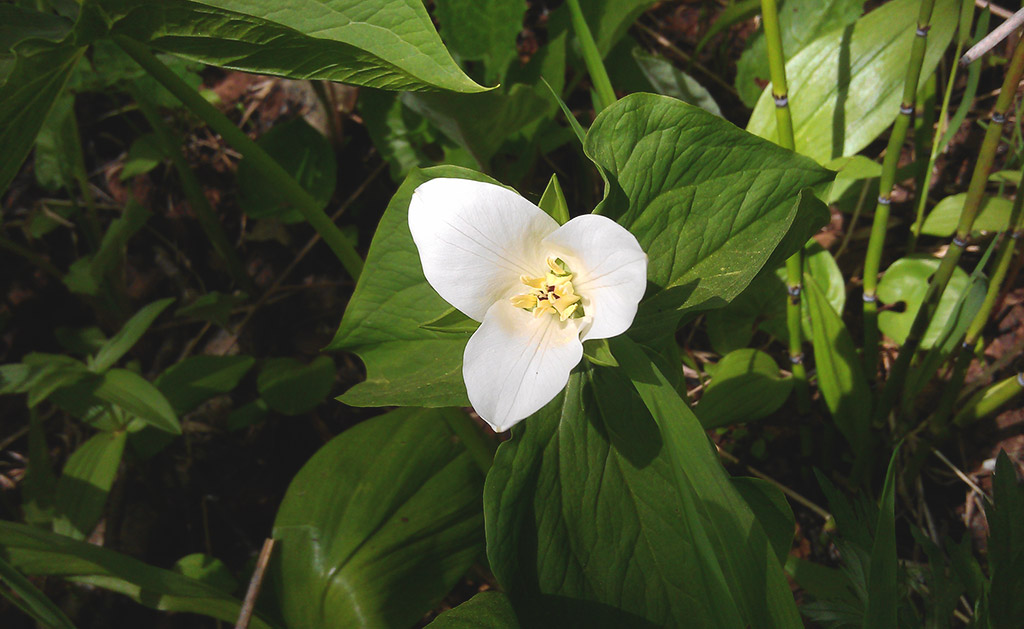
[
  {"x": 475, "y": 240},
  {"x": 610, "y": 271},
  {"x": 516, "y": 363}
]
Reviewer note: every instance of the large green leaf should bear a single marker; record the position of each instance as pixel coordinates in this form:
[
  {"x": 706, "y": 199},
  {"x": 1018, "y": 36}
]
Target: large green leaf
[
  {"x": 30, "y": 600},
  {"x": 34, "y": 551},
  {"x": 85, "y": 482},
  {"x": 407, "y": 364},
  {"x": 845, "y": 87},
  {"x": 378, "y": 525},
  {"x": 994, "y": 215},
  {"x": 486, "y": 610},
  {"x": 800, "y": 23},
  {"x": 482, "y": 31},
  {"x": 595, "y": 518},
  {"x": 390, "y": 44},
  {"x": 708, "y": 202},
  {"x": 40, "y": 71}
]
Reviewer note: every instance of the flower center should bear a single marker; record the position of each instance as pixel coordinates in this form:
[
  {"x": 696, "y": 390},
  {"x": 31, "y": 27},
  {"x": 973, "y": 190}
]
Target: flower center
[{"x": 551, "y": 294}]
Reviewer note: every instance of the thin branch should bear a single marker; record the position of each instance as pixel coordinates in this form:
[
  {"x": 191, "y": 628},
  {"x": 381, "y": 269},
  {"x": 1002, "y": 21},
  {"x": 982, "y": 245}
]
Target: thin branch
[
  {"x": 254, "y": 584},
  {"x": 993, "y": 39}
]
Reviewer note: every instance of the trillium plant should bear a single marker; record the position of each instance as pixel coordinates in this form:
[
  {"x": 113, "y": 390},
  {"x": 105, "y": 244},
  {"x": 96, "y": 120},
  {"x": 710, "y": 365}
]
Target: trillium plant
[{"x": 539, "y": 290}]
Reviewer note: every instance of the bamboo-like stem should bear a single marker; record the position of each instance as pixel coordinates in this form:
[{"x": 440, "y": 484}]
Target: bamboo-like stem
[
  {"x": 194, "y": 193},
  {"x": 880, "y": 225},
  {"x": 972, "y": 204},
  {"x": 1007, "y": 249},
  {"x": 592, "y": 57},
  {"x": 795, "y": 263},
  {"x": 260, "y": 160}
]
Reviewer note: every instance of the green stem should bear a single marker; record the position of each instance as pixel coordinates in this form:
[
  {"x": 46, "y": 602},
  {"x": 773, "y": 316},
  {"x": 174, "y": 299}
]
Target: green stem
[
  {"x": 880, "y": 226},
  {"x": 262, "y": 162},
  {"x": 795, "y": 263},
  {"x": 592, "y": 57},
  {"x": 975, "y": 192},
  {"x": 479, "y": 446},
  {"x": 194, "y": 192},
  {"x": 989, "y": 400}
]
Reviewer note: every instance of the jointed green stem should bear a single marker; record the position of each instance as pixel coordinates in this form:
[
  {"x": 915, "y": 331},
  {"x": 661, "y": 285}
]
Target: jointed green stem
[
  {"x": 975, "y": 192},
  {"x": 876, "y": 242},
  {"x": 265, "y": 164},
  {"x": 194, "y": 193},
  {"x": 795, "y": 263}
]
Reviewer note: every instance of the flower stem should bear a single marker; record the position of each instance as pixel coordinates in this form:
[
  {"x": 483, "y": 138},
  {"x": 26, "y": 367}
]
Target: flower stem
[
  {"x": 480, "y": 447},
  {"x": 975, "y": 192},
  {"x": 795, "y": 263},
  {"x": 194, "y": 192},
  {"x": 876, "y": 242},
  {"x": 592, "y": 57},
  {"x": 270, "y": 169}
]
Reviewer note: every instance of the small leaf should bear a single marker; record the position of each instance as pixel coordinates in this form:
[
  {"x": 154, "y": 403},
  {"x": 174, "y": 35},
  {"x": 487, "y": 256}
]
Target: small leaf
[
  {"x": 136, "y": 395},
  {"x": 207, "y": 569},
  {"x": 553, "y": 201},
  {"x": 213, "y": 306},
  {"x": 83, "y": 486},
  {"x": 144, "y": 155},
  {"x": 127, "y": 336},
  {"x": 745, "y": 386},
  {"x": 198, "y": 378},
  {"x": 292, "y": 388}
]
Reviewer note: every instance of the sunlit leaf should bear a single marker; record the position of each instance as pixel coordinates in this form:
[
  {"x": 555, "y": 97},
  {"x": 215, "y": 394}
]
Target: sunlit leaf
[{"x": 85, "y": 482}]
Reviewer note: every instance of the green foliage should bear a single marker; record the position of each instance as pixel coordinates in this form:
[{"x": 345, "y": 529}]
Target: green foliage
[
  {"x": 486, "y": 610},
  {"x": 844, "y": 87},
  {"x": 83, "y": 486},
  {"x": 993, "y": 216},
  {"x": 745, "y": 386},
  {"x": 292, "y": 388},
  {"x": 379, "y": 524},
  {"x": 482, "y": 31},
  {"x": 20, "y": 591},
  {"x": 196, "y": 379}
]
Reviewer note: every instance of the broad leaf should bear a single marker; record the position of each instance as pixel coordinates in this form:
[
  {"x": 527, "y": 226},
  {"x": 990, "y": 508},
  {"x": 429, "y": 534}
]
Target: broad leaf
[
  {"x": 20, "y": 592},
  {"x": 800, "y": 23},
  {"x": 18, "y": 24},
  {"x": 993, "y": 216},
  {"x": 840, "y": 376},
  {"x": 138, "y": 396},
  {"x": 482, "y": 31},
  {"x": 40, "y": 71},
  {"x": 845, "y": 87},
  {"x": 378, "y": 525},
  {"x": 407, "y": 364},
  {"x": 745, "y": 386},
  {"x": 38, "y": 552},
  {"x": 390, "y": 44},
  {"x": 293, "y": 388},
  {"x": 486, "y": 610},
  {"x": 85, "y": 482},
  {"x": 708, "y": 202},
  {"x": 127, "y": 336},
  {"x": 668, "y": 80},
  {"x": 198, "y": 378},
  {"x": 903, "y": 287}
]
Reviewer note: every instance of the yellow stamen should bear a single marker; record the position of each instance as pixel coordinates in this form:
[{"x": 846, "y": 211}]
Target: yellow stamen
[
  {"x": 553, "y": 293},
  {"x": 526, "y": 302}
]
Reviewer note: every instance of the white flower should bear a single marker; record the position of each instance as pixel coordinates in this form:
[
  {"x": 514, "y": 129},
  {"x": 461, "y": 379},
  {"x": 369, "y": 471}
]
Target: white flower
[{"x": 538, "y": 289}]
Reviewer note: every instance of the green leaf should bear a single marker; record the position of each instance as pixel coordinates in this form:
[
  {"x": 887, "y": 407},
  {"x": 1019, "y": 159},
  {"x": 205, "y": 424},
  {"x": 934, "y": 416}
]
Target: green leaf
[
  {"x": 406, "y": 363},
  {"x": 486, "y": 610},
  {"x": 38, "y": 552},
  {"x": 708, "y": 202},
  {"x": 207, "y": 569},
  {"x": 398, "y": 133},
  {"x": 378, "y": 525},
  {"x": 390, "y": 44},
  {"x": 482, "y": 31},
  {"x": 214, "y": 306},
  {"x": 845, "y": 86},
  {"x": 30, "y": 600},
  {"x": 88, "y": 273},
  {"x": 39, "y": 486},
  {"x": 196, "y": 379},
  {"x": 83, "y": 486},
  {"x": 127, "y": 336},
  {"x": 247, "y": 415},
  {"x": 57, "y": 146},
  {"x": 305, "y": 154},
  {"x": 144, "y": 155},
  {"x": 840, "y": 377},
  {"x": 135, "y": 394},
  {"x": 586, "y": 526},
  {"x": 18, "y": 24},
  {"x": 772, "y": 511},
  {"x": 745, "y": 386},
  {"x": 904, "y": 284},
  {"x": 668, "y": 80},
  {"x": 292, "y": 388},
  {"x": 1006, "y": 545},
  {"x": 993, "y": 216},
  {"x": 452, "y": 321},
  {"x": 553, "y": 201},
  {"x": 741, "y": 545},
  {"x": 40, "y": 71},
  {"x": 800, "y": 23},
  {"x": 607, "y": 19},
  {"x": 883, "y": 593}
]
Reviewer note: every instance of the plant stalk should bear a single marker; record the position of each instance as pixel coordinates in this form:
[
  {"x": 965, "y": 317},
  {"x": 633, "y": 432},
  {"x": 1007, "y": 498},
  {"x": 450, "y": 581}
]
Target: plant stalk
[
  {"x": 592, "y": 57},
  {"x": 989, "y": 400},
  {"x": 234, "y": 136},
  {"x": 880, "y": 225},
  {"x": 194, "y": 193},
  {"x": 795, "y": 263},
  {"x": 972, "y": 204}
]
